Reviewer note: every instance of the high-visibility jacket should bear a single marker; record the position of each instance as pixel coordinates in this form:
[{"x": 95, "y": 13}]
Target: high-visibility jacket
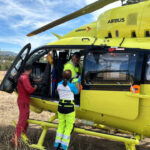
[
  {"x": 75, "y": 70},
  {"x": 66, "y": 114}
]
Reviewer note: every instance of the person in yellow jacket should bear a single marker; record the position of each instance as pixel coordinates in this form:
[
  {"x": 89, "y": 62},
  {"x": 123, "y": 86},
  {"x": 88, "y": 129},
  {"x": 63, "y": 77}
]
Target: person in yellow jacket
[
  {"x": 75, "y": 67},
  {"x": 66, "y": 112}
]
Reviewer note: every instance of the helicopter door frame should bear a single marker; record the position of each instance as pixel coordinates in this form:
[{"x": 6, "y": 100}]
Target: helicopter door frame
[
  {"x": 43, "y": 50},
  {"x": 146, "y": 69},
  {"x": 8, "y": 84},
  {"x": 112, "y": 98}
]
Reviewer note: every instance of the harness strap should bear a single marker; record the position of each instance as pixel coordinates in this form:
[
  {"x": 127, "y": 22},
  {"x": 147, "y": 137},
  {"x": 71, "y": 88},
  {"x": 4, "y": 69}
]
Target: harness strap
[{"x": 66, "y": 101}]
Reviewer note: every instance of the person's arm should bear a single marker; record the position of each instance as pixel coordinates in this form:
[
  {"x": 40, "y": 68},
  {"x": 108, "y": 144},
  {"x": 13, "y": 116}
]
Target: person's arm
[
  {"x": 75, "y": 89},
  {"x": 80, "y": 69},
  {"x": 78, "y": 87},
  {"x": 27, "y": 85}
]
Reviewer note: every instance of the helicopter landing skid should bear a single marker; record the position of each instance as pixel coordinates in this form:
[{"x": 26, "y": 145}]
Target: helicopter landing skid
[
  {"x": 39, "y": 145},
  {"x": 113, "y": 131},
  {"x": 130, "y": 147},
  {"x": 130, "y": 143}
]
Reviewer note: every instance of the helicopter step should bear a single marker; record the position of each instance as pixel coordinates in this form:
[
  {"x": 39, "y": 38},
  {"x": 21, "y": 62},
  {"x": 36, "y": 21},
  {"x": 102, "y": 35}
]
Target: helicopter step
[
  {"x": 130, "y": 143},
  {"x": 39, "y": 145}
]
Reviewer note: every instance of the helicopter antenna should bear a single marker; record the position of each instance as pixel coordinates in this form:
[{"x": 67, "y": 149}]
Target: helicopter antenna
[
  {"x": 122, "y": 2},
  {"x": 83, "y": 11}
]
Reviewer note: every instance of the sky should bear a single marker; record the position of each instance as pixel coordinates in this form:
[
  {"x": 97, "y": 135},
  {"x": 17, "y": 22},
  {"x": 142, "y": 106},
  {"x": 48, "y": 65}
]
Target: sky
[{"x": 20, "y": 17}]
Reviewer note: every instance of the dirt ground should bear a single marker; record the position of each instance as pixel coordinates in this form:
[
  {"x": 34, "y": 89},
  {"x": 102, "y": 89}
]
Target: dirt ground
[{"x": 9, "y": 112}]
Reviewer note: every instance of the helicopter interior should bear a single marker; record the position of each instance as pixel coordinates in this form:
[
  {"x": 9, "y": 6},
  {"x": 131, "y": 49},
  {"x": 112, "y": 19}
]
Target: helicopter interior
[{"x": 45, "y": 75}]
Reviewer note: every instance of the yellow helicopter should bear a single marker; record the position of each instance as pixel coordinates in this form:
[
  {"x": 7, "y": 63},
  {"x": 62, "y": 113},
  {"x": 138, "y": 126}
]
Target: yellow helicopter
[{"x": 115, "y": 77}]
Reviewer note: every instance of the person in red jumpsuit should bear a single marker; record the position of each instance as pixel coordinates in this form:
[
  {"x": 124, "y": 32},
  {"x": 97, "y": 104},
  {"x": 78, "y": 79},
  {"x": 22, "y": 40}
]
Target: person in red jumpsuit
[{"x": 25, "y": 89}]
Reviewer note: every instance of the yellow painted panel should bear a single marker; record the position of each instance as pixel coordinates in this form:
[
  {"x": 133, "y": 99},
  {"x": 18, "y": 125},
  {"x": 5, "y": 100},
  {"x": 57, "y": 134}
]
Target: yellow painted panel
[
  {"x": 109, "y": 42},
  {"x": 124, "y": 19},
  {"x": 86, "y": 30},
  {"x": 140, "y": 125},
  {"x": 113, "y": 103},
  {"x": 74, "y": 41},
  {"x": 143, "y": 43},
  {"x": 145, "y": 20}
]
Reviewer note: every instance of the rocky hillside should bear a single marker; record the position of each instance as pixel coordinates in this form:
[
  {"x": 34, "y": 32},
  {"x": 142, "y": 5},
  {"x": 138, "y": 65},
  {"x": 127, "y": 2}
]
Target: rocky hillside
[{"x": 7, "y": 53}]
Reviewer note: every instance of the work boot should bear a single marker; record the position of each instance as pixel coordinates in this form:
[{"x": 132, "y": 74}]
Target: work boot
[
  {"x": 15, "y": 145},
  {"x": 12, "y": 146},
  {"x": 59, "y": 147}
]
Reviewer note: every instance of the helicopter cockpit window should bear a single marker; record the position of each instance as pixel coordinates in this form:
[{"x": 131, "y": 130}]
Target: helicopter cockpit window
[
  {"x": 109, "y": 68},
  {"x": 17, "y": 66},
  {"x": 36, "y": 56}
]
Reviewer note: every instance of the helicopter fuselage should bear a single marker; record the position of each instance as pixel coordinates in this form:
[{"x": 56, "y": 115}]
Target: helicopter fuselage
[
  {"x": 140, "y": 124},
  {"x": 107, "y": 102},
  {"x": 125, "y": 26}
]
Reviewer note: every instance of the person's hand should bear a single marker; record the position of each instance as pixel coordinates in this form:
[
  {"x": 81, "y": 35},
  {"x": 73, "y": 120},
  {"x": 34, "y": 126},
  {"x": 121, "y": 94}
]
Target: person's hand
[
  {"x": 78, "y": 87},
  {"x": 35, "y": 86},
  {"x": 37, "y": 80}
]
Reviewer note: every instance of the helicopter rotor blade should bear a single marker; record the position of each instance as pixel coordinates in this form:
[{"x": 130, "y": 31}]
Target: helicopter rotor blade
[{"x": 87, "y": 9}]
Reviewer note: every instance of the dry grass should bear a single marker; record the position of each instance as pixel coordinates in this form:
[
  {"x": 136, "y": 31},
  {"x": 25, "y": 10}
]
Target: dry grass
[
  {"x": 9, "y": 111},
  {"x": 2, "y": 73}
]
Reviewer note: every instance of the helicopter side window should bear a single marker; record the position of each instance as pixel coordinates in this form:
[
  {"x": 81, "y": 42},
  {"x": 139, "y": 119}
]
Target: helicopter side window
[
  {"x": 109, "y": 68},
  {"x": 147, "y": 75}
]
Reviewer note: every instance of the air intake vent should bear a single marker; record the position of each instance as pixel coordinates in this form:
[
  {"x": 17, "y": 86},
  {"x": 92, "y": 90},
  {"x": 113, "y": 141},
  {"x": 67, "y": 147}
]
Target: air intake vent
[
  {"x": 133, "y": 34},
  {"x": 132, "y": 19},
  {"x": 147, "y": 33},
  {"x": 109, "y": 35}
]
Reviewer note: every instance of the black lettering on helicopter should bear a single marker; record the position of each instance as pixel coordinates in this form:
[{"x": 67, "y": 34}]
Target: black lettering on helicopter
[{"x": 116, "y": 20}]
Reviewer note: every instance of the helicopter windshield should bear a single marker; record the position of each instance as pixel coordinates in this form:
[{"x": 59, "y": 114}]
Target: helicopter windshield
[{"x": 109, "y": 68}]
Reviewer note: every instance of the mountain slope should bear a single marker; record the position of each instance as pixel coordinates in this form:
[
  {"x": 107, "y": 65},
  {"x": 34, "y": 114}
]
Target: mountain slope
[{"x": 7, "y": 53}]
